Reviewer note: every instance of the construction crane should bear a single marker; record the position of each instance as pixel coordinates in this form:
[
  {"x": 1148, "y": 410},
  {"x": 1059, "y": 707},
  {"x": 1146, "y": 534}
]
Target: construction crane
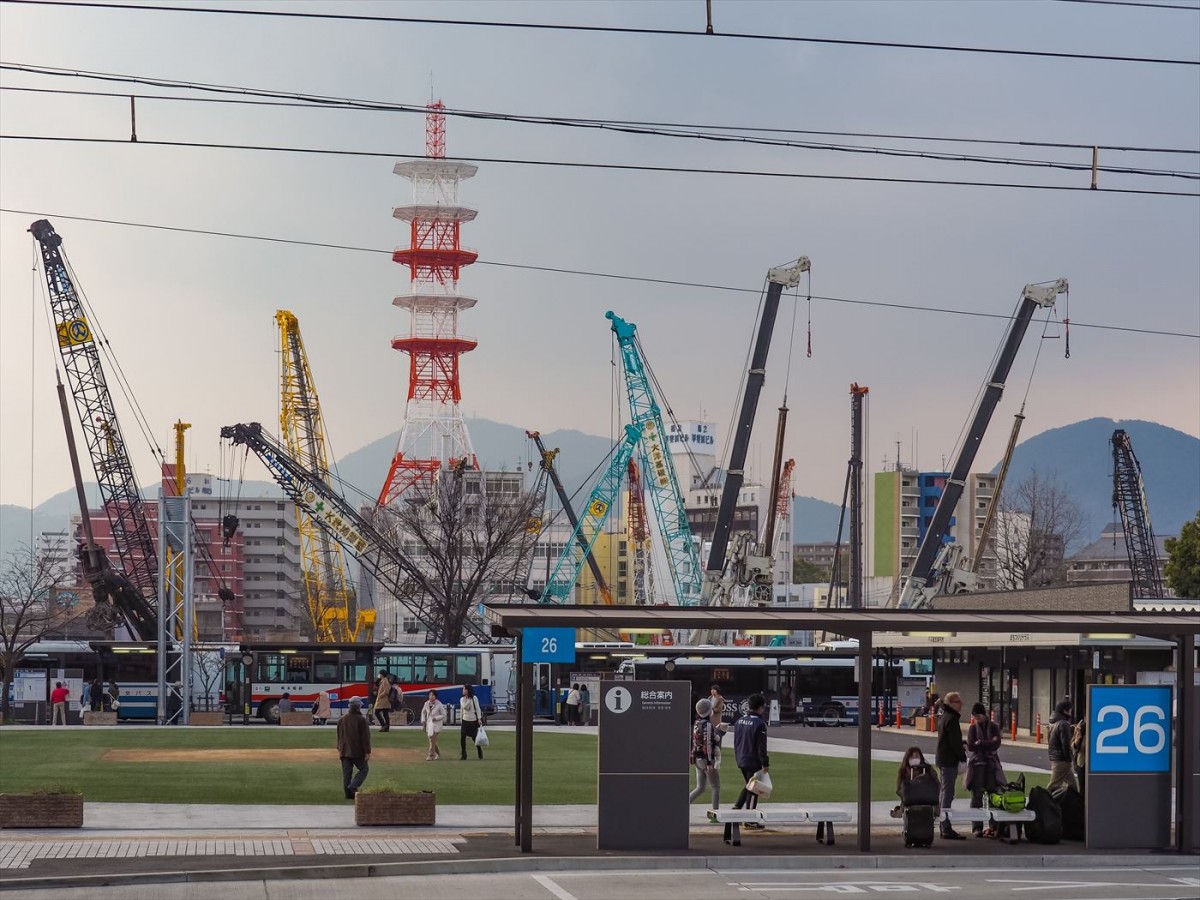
[
  {"x": 1129, "y": 496},
  {"x": 657, "y": 467},
  {"x": 637, "y": 533},
  {"x": 547, "y": 466},
  {"x": 942, "y": 568},
  {"x": 130, "y": 595},
  {"x": 333, "y": 513},
  {"x": 595, "y": 512},
  {"x": 745, "y": 565},
  {"x": 329, "y": 596}
]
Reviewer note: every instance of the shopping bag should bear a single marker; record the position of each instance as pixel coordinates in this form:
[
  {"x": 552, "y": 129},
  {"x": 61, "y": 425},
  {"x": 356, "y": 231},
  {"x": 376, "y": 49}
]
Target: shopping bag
[
  {"x": 481, "y": 738},
  {"x": 760, "y": 784}
]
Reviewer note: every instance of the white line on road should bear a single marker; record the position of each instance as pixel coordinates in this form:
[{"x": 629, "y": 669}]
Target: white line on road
[
  {"x": 1041, "y": 884},
  {"x": 546, "y": 882}
]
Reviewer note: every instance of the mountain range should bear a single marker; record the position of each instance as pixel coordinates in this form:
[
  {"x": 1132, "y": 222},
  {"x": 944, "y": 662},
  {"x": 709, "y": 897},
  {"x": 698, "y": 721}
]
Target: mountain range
[{"x": 1078, "y": 455}]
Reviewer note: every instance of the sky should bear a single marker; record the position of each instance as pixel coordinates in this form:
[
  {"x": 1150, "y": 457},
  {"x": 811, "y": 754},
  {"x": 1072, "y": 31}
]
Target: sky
[{"x": 190, "y": 317}]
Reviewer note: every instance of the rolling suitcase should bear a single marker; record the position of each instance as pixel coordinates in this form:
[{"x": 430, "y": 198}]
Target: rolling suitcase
[{"x": 918, "y": 826}]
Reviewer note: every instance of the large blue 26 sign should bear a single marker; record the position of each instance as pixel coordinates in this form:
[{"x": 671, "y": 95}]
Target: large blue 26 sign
[{"x": 1129, "y": 728}]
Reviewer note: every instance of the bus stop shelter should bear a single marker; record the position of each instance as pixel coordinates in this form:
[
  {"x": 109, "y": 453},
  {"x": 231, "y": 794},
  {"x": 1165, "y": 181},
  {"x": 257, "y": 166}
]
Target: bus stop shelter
[{"x": 861, "y": 624}]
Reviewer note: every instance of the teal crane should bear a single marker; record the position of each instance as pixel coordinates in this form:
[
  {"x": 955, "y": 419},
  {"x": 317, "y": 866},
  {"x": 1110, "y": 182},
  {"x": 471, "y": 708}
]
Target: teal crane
[{"x": 658, "y": 468}]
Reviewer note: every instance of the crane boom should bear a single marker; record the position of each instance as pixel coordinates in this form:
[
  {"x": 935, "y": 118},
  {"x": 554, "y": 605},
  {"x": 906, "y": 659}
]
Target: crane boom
[
  {"x": 547, "y": 465},
  {"x": 638, "y": 535},
  {"x": 927, "y": 569},
  {"x": 328, "y": 593},
  {"x": 134, "y": 592},
  {"x": 1129, "y": 496},
  {"x": 658, "y": 468},
  {"x": 344, "y": 524}
]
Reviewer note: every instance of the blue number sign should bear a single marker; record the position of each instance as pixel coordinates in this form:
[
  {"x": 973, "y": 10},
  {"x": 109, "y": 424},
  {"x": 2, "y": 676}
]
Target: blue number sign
[
  {"x": 1129, "y": 728},
  {"x": 548, "y": 645}
]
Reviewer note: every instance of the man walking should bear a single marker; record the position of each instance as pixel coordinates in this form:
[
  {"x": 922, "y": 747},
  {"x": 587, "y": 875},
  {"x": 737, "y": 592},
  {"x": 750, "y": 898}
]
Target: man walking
[
  {"x": 951, "y": 753},
  {"x": 750, "y": 750},
  {"x": 1062, "y": 775},
  {"x": 354, "y": 748}
]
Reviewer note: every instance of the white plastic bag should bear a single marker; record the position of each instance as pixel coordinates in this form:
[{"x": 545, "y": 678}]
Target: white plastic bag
[
  {"x": 760, "y": 784},
  {"x": 481, "y": 738}
]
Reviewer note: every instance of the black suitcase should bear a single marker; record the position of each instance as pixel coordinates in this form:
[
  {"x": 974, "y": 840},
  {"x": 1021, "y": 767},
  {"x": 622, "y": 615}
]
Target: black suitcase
[
  {"x": 1074, "y": 818},
  {"x": 918, "y": 826},
  {"x": 1047, "y": 826}
]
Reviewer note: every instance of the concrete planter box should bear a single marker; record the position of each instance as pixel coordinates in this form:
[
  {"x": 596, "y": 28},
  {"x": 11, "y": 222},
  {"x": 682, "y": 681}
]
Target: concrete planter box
[
  {"x": 395, "y": 808},
  {"x": 99, "y": 717},
  {"x": 295, "y": 717},
  {"x": 211, "y": 717},
  {"x": 41, "y": 810}
]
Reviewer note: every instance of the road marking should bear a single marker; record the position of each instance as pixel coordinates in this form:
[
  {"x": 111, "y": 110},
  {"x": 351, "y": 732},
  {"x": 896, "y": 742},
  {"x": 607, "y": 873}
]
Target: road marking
[
  {"x": 1042, "y": 885},
  {"x": 873, "y": 885},
  {"x": 546, "y": 882},
  {"x": 1188, "y": 882}
]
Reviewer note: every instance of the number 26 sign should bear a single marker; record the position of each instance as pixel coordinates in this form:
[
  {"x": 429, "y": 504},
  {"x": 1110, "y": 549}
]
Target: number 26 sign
[{"x": 1129, "y": 728}]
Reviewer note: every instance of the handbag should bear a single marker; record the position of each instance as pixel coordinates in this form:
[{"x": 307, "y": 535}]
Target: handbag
[
  {"x": 920, "y": 790},
  {"x": 481, "y": 738},
  {"x": 760, "y": 784}
]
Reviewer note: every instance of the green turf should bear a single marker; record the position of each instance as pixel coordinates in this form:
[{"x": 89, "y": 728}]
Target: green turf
[{"x": 564, "y": 768}]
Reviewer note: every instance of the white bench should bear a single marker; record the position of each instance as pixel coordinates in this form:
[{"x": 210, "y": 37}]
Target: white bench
[
  {"x": 824, "y": 819},
  {"x": 990, "y": 816}
]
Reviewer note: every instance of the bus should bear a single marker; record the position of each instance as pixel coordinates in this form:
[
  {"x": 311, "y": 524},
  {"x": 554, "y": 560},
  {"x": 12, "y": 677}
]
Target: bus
[
  {"x": 263, "y": 672},
  {"x": 814, "y": 688}
]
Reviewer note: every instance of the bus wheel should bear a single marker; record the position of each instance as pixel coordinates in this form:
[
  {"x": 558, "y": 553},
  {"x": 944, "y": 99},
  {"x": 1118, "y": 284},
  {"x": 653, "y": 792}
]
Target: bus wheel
[
  {"x": 831, "y": 716},
  {"x": 269, "y": 710}
]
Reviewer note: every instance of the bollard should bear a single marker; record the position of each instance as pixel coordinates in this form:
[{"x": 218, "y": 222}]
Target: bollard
[
  {"x": 881, "y": 716},
  {"x": 1014, "y": 725},
  {"x": 1039, "y": 728},
  {"x": 899, "y": 718},
  {"x": 930, "y": 728}
]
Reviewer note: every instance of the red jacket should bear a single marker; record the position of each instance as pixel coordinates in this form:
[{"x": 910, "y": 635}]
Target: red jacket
[{"x": 59, "y": 695}]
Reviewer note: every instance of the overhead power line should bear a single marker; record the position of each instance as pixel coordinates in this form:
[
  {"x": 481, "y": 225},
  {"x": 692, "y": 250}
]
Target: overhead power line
[
  {"x": 328, "y": 102},
  {"x": 1135, "y": 4},
  {"x": 610, "y": 29},
  {"x": 904, "y": 153},
  {"x": 324, "y": 245},
  {"x": 625, "y": 167}
]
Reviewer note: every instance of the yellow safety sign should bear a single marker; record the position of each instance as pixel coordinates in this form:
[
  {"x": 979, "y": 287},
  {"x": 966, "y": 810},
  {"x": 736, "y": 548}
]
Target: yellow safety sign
[
  {"x": 73, "y": 332},
  {"x": 597, "y": 508}
]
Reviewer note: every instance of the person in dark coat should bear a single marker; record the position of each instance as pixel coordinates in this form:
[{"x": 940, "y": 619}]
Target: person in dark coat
[
  {"x": 951, "y": 753},
  {"x": 1062, "y": 775},
  {"x": 984, "y": 772},
  {"x": 354, "y": 748},
  {"x": 750, "y": 750}
]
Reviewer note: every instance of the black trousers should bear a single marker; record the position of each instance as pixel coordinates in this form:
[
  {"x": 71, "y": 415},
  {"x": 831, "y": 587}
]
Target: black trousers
[
  {"x": 468, "y": 730},
  {"x": 745, "y": 800},
  {"x": 384, "y": 718},
  {"x": 349, "y": 764}
]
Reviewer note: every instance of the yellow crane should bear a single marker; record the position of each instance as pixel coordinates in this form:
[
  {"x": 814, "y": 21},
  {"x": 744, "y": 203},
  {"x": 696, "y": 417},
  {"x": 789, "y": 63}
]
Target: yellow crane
[{"x": 328, "y": 594}]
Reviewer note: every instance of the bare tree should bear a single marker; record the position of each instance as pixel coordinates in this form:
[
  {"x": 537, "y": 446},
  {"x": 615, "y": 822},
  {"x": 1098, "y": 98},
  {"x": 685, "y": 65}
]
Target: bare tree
[
  {"x": 1038, "y": 521},
  {"x": 207, "y": 669},
  {"x": 27, "y": 612},
  {"x": 471, "y": 534}
]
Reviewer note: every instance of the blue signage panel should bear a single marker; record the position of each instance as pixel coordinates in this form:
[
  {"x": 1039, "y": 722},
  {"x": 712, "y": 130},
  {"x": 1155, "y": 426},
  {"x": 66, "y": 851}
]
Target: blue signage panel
[
  {"x": 1129, "y": 728},
  {"x": 548, "y": 645}
]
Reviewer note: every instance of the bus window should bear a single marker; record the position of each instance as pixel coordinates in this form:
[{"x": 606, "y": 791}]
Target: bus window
[
  {"x": 270, "y": 667},
  {"x": 325, "y": 671},
  {"x": 439, "y": 668},
  {"x": 401, "y": 668},
  {"x": 298, "y": 667},
  {"x": 466, "y": 669},
  {"x": 354, "y": 673}
]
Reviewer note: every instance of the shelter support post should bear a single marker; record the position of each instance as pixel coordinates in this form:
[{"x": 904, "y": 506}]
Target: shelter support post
[
  {"x": 866, "y": 678},
  {"x": 526, "y": 729},
  {"x": 522, "y": 699},
  {"x": 1188, "y": 766}
]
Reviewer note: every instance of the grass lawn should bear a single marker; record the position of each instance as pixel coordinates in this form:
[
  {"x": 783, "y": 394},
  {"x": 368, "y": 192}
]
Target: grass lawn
[{"x": 279, "y": 770}]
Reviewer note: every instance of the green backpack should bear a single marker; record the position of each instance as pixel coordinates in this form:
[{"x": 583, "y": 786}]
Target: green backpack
[{"x": 1008, "y": 797}]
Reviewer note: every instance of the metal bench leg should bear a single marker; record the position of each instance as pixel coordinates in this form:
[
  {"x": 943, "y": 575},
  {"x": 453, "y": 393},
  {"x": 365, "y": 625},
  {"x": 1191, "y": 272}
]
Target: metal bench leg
[
  {"x": 821, "y": 832},
  {"x": 733, "y": 833}
]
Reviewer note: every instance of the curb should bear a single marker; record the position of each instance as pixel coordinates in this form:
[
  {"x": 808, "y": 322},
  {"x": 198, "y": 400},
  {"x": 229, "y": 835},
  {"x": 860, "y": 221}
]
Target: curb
[{"x": 515, "y": 864}]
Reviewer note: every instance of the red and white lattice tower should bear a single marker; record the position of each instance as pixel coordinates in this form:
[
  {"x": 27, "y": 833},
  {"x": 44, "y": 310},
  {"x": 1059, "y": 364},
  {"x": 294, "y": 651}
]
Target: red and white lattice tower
[{"x": 434, "y": 433}]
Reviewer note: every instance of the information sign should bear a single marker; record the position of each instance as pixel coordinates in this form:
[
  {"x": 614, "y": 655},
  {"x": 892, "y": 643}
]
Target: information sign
[
  {"x": 548, "y": 645},
  {"x": 1129, "y": 728}
]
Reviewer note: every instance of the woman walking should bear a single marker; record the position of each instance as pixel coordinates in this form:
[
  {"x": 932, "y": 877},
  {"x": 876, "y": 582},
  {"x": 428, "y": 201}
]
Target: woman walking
[
  {"x": 472, "y": 718},
  {"x": 433, "y": 714},
  {"x": 572, "y": 704},
  {"x": 706, "y": 747},
  {"x": 383, "y": 701}
]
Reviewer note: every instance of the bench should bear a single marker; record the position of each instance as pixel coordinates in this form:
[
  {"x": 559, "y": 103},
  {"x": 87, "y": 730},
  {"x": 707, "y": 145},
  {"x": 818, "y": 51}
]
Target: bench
[
  {"x": 991, "y": 817},
  {"x": 780, "y": 815}
]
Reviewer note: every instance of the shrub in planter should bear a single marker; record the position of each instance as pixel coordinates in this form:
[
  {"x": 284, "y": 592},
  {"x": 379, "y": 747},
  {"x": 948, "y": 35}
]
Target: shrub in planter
[
  {"x": 390, "y": 806},
  {"x": 55, "y": 806}
]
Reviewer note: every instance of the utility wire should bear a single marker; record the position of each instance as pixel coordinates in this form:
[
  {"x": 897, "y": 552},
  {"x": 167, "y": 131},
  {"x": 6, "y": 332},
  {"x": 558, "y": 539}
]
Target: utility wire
[
  {"x": 325, "y": 101},
  {"x": 719, "y": 138},
  {"x": 580, "y": 272},
  {"x": 609, "y": 29},
  {"x": 1131, "y": 3},
  {"x": 625, "y": 167}
]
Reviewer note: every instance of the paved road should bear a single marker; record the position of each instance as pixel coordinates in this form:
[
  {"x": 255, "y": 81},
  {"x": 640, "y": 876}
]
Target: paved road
[
  {"x": 887, "y": 740},
  {"x": 1168, "y": 883}
]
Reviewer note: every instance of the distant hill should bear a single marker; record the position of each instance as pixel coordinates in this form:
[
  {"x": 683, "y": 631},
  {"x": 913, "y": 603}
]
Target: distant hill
[{"x": 1080, "y": 455}]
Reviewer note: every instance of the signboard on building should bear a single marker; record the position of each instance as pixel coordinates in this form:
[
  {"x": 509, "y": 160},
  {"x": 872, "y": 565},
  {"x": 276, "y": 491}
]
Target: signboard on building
[
  {"x": 645, "y": 775},
  {"x": 698, "y": 437},
  {"x": 1128, "y": 766}
]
